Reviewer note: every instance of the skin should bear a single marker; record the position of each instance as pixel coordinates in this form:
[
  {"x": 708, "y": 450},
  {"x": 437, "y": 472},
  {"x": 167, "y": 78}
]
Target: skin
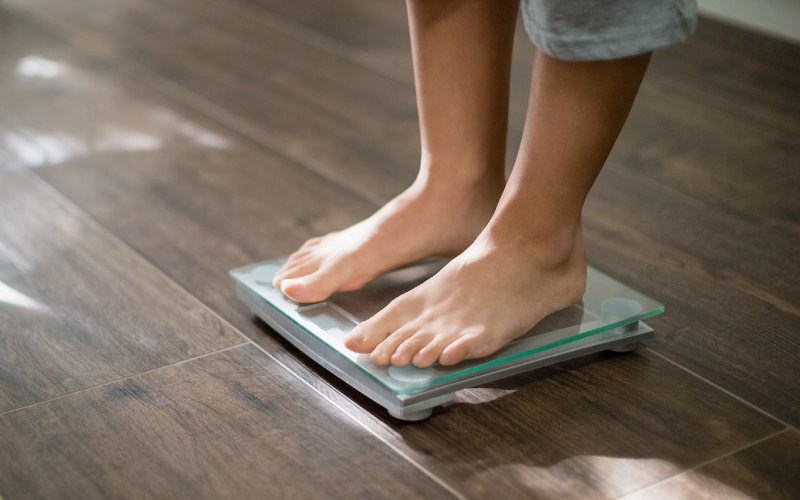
[{"x": 516, "y": 259}]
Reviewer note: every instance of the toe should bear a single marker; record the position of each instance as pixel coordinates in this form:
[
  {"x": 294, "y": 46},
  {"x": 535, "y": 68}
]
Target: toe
[
  {"x": 382, "y": 355},
  {"x": 290, "y": 262},
  {"x": 406, "y": 351},
  {"x": 363, "y": 339},
  {"x": 308, "y": 246},
  {"x": 296, "y": 257},
  {"x": 300, "y": 268},
  {"x": 311, "y": 243},
  {"x": 368, "y": 334},
  {"x": 313, "y": 287},
  {"x": 457, "y": 351},
  {"x": 429, "y": 353}
]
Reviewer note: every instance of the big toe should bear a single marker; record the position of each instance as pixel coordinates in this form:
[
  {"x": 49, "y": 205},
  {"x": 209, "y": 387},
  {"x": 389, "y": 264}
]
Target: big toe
[
  {"x": 364, "y": 338},
  {"x": 368, "y": 334},
  {"x": 313, "y": 287}
]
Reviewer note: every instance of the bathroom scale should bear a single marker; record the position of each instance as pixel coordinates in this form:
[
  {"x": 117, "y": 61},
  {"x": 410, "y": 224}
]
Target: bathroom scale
[{"x": 609, "y": 317}]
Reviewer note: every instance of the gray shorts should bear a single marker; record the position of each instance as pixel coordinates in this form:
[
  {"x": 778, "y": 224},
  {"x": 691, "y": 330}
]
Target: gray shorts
[{"x": 586, "y": 30}]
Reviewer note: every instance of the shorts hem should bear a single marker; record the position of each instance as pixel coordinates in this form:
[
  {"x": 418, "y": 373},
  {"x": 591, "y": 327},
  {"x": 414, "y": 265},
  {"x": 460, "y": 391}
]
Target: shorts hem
[{"x": 594, "y": 47}]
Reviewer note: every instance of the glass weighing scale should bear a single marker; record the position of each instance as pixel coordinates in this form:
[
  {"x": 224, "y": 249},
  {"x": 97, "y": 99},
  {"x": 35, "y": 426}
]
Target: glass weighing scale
[{"x": 609, "y": 317}]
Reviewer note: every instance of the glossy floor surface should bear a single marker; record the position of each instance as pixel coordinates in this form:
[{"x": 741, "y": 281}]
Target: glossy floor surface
[{"x": 147, "y": 147}]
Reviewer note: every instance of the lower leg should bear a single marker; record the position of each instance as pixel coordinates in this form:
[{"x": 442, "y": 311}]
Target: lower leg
[
  {"x": 462, "y": 57},
  {"x": 462, "y": 64},
  {"x": 530, "y": 260},
  {"x": 575, "y": 113}
]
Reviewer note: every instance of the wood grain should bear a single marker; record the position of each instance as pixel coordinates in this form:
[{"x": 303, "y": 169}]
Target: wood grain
[
  {"x": 78, "y": 307},
  {"x": 233, "y": 424},
  {"x": 769, "y": 469}
]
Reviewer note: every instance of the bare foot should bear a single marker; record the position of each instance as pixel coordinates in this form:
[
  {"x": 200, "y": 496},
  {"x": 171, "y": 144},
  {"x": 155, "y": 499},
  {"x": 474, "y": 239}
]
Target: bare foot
[
  {"x": 492, "y": 293},
  {"x": 423, "y": 221}
]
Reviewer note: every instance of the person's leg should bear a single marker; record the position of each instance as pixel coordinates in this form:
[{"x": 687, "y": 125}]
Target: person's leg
[
  {"x": 530, "y": 259},
  {"x": 462, "y": 58}
]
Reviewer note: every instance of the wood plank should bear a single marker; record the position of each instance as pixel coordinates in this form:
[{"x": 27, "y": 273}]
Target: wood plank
[
  {"x": 232, "y": 424},
  {"x": 78, "y": 308},
  {"x": 769, "y": 469},
  {"x": 197, "y": 211}
]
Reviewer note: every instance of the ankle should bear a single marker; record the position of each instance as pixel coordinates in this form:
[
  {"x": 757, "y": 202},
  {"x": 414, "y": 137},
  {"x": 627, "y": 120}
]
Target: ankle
[
  {"x": 552, "y": 249},
  {"x": 462, "y": 174},
  {"x": 485, "y": 187}
]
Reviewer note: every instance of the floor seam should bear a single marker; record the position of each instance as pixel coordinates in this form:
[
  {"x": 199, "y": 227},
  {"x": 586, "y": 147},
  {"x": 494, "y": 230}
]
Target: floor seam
[
  {"x": 720, "y": 388},
  {"x": 122, "y": 379},
  {"x": 703, "y": 464}
]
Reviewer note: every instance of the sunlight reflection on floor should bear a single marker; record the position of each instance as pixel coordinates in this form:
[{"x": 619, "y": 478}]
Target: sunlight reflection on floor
[
  {"x": 143, "y": 128},
  {"x": 13, "y": 297}
]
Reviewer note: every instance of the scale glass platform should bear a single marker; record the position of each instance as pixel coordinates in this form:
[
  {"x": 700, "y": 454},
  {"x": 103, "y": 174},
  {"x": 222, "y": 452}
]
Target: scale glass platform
[{"x": 609, "y": 317}]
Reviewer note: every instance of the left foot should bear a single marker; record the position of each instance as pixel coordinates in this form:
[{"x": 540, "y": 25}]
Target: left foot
[{"x": 492, "y": 293}]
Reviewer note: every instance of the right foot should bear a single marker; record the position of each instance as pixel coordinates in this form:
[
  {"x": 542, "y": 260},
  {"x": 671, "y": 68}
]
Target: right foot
[{"x": 422, "y": 221}]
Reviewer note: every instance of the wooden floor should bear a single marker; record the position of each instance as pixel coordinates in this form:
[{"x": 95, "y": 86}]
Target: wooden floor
[{"x": 146, "y": 147}]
